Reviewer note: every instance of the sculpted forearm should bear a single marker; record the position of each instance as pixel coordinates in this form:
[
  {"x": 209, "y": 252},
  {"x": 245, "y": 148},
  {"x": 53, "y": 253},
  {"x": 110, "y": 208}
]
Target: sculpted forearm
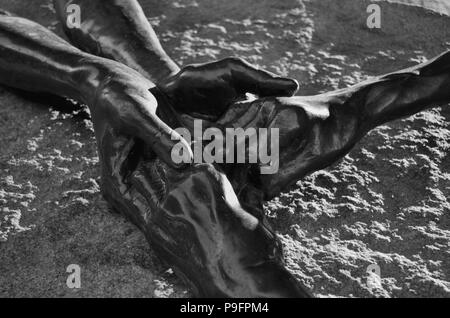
[
  {"x": 34, "y": 59},
  {"x": 331, "y": 124},
  {"x": 118, "y": 30},
  {"x": 409, "y": 91},
  {"x": 354, "y": 111}
]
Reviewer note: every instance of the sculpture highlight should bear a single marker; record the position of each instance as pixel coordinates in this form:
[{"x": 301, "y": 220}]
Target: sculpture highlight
[{"x": 205, "y": 220}]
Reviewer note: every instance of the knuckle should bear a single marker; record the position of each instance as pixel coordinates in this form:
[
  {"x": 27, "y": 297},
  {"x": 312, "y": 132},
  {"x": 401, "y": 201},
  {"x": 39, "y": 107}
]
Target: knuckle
[
  {"x": 189, "y": 69},
  {"x": 236, "y": 61}
]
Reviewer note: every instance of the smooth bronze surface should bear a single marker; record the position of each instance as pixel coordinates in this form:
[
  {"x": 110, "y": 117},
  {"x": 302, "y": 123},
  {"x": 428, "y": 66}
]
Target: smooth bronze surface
[
  {"x": 202, "y": 235},
  {"x": 35, "y": 59},
  {"x": 119, "y": 30},
  {"x": 206, "y": 220}
]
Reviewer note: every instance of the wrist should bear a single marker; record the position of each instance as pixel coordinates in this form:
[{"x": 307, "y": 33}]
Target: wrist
[{"x": 89, "y": 74}]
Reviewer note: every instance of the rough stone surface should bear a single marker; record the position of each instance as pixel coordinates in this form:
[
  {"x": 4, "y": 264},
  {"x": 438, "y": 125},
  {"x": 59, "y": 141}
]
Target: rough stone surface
[{"x": 386, "y": 204}]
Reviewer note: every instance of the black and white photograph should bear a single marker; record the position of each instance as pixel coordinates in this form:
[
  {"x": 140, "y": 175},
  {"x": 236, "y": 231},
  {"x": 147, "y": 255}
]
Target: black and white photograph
[{"x": 211, "y": 149}]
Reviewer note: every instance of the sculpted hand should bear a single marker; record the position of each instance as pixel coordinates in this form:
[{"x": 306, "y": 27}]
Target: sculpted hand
[
  {"x": 126, "y": 104},
  {"x": 209, "y": 89},
  {"x": 205, "y": 90}
]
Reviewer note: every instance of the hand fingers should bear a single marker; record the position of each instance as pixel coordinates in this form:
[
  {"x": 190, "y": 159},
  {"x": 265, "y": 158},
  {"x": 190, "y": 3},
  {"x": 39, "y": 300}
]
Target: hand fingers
[
  {"x": 163, "y": 140},
  {"x": 166, "y": 143},
  {"x": 248, "y": 79}
]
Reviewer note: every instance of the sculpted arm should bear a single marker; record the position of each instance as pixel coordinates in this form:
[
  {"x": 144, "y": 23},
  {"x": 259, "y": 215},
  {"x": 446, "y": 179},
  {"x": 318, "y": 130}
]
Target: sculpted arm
[
  {"x": 33, "y": 58},
  {"x": 118, "y": 30},
  {"x": 322, "y": 129}
]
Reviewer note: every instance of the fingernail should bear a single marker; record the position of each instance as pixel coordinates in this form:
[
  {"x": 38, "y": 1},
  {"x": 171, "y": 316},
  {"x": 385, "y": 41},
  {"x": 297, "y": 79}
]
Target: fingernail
[{"x": 294, "y": 86}]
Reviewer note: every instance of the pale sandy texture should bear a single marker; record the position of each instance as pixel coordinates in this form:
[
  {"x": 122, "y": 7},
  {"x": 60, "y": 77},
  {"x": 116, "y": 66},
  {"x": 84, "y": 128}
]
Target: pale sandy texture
[
  {"x": 438, "y": 6},
  {"x": 387, "y": 203}
]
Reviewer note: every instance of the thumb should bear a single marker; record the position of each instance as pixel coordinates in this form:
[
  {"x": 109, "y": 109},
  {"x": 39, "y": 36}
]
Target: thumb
[
  {"x": 248, "y": 79},
  {"x": 165, "y": 141}
]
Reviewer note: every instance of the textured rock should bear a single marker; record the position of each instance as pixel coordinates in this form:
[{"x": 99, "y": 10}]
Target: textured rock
[{"x": 387, "y": 203}]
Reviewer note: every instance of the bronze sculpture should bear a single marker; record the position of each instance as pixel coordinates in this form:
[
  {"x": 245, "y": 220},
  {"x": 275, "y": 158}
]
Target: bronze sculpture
[{"x": 324, "y": 128}]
